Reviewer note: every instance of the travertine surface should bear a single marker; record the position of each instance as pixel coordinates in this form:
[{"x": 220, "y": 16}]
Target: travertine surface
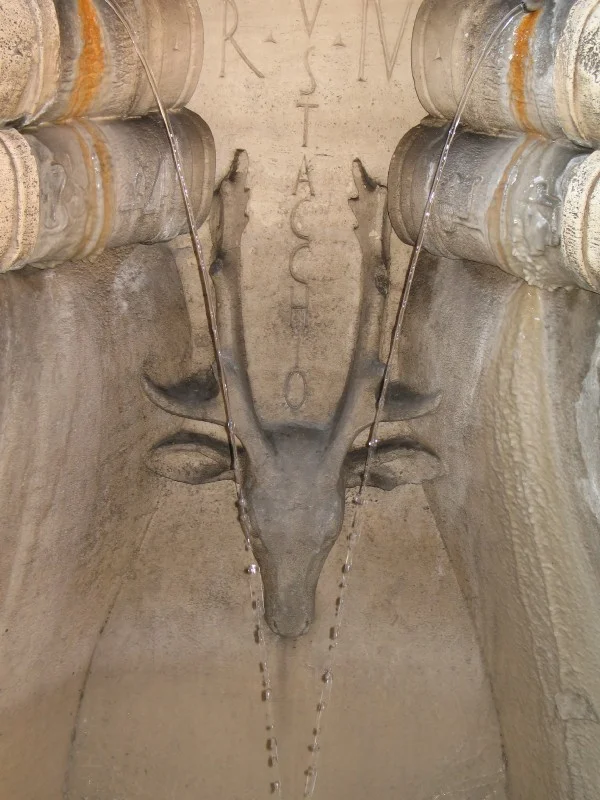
[
  {"x": 518, "y": 367},
  {"x": 137, "y": 676},
  {"x": 519, "y": 506},
  {"x": 336, "y": 80},
  {"x": 76, "y": 499},
  {"x": 128, "y": 666},
  {"x": 172, "y": 706}
]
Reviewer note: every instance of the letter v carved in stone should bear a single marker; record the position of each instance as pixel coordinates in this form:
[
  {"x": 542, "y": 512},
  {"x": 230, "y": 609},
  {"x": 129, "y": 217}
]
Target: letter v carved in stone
[
  {"x": 390, "y": 56},
  {"x": 310, "y": 23}
]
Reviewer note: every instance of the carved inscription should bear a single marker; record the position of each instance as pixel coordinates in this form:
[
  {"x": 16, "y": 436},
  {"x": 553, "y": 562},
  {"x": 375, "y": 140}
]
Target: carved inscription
[
  {"x": 306, "y": 104},
  {"x": 313, "y": 81},
  {"x": 390, "y": 56},
  {"x": 296, "y": 382},
  {"x": 229, "y": 38},
  {"x": 312, "y": 21},
  {"x": 304, "y": 107},
  {"x": 308, "y": 107},
  {"x": 304, "y": 177},
  {"x": 390, "y": 53},
  {"x": 300, "y": 291}
]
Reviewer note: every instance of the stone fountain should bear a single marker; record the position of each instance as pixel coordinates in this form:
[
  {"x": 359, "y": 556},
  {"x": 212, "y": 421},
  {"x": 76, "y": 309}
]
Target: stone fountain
[{"x": 468, "y": 666}]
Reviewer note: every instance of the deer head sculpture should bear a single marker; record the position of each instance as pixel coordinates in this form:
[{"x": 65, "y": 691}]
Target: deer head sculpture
[{"x": 295, "y": 474}]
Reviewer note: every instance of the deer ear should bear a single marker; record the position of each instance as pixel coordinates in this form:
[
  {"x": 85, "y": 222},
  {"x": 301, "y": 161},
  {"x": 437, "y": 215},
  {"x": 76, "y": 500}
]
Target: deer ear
[
  {"x": 196, "y": 397},
  {"x": 398, "y": 461},
  {"x": 191, "y": 458}
]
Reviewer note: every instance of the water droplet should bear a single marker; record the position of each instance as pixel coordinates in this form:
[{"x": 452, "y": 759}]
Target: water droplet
[
  {"x": 347, "y": 568},
  {"x": 245, "y": 521},
  {"x": 272, "y": 744},
  {"x": 373, "y": 442},
  {"x": 311, "y": 782},
  {"x": 262, "y": 666},
  {"x": 252, "y": 569},
  {"x": 334, "y": 633},
  {"x": 327, "y": 676},
  {"x": 275, "y": 787},
  {"x": 266, "y": 695},
  {"x": 358, "y": 500},
  {"x": 314, "y": 748},
  {"x": 321, "y": 707},
  {"x": 273, "y": 760}
]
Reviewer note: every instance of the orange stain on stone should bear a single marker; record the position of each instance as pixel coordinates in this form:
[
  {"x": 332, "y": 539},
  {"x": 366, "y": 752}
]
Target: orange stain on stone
[
  {"x": 100, "y": 189},
  {"x": 108, "y": 188},
  {"x": 90, "y": 68},
  {"x": 496, "y": 211},
  {"x": 519, "y": 67}
]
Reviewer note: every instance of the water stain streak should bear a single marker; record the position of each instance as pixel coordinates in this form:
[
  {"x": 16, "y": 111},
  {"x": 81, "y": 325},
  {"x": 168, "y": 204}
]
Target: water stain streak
[
  {"x": 91, "y": 63},
  {"x": 519, "y": 68}
]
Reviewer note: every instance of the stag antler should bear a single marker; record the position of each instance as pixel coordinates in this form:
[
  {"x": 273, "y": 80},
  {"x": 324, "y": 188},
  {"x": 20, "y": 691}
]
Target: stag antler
[
  {"x": 356, "y": 409},
  {"x": 199, "y": 397},
  {"x": 228, "y": 224},
  {"x": 295, "y": 474}
]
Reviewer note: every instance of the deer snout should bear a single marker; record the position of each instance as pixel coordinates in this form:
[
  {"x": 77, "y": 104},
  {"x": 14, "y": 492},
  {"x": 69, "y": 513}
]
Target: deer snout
[
  {"x": 288, "y": 626},
  {"x": 290, "y": 588},
  {"x": 291, "y": 556},
  {"x": 289, "y": 610}
]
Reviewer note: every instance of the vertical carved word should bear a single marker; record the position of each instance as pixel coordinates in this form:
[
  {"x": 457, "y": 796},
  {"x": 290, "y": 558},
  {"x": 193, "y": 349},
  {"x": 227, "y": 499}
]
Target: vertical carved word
[
  {"x": 229, "y": 37},
  {"x": 389, "y": 57},
  {"x": 305, "y": 104},
  {"x": 310, "y": 23},
  {"x": 296, "y": 382}
]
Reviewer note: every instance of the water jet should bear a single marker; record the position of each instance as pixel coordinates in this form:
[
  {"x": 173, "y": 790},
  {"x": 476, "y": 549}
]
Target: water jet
[{"x": 428, "y": 552}]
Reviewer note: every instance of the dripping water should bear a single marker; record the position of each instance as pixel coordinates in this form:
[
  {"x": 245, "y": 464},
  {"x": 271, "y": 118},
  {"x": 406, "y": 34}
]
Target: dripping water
[
  {"x": 253, "y": 571},
  {"x": 354, "y": 536}
]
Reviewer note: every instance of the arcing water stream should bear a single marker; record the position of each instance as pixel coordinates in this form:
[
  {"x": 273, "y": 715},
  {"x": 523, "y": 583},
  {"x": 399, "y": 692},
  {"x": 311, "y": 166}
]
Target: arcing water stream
[
  {"x": 253, "y": 571},
  {"x": 359, "y": 499},
  {"x": 254, "y": 580}
]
